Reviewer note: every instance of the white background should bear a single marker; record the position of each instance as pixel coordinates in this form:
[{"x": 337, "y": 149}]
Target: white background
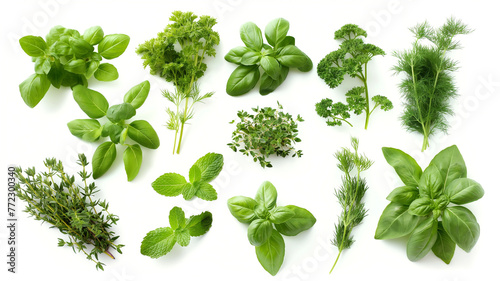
[{"x": 28, "y": 136}]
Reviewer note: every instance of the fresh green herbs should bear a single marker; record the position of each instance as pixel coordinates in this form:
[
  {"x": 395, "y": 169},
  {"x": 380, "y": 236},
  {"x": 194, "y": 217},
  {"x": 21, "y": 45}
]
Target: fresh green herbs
[
  {"x": 206, "y": 169},
  {"x": 262, "y": 214},
  {"x": 427, "y": 84},
  {"x": 66, "y": 58},
  {"x": 95, "y": 105},
  {"x": 349, "y": 195},
  {"x": 350, "y": 59},
  {"x": 269, "y": 131},
  {"x": 177, "y": 54},
  {"x": 425, "y": 207},
  {"x": 56, "y": 198},
  {"x": 160, "y": 241},
  {"x": 275, "y": 59}
]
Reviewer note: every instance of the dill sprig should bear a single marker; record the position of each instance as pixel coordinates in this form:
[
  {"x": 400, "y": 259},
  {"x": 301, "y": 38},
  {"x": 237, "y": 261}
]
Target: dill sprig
[
  {"x": 349, "y": 195},
  {"x": 69, "y": 207},
  {"x": 428, "y": 86}
]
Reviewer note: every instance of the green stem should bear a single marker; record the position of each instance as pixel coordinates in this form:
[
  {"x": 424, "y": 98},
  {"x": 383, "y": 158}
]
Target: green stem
[
  {"x": 367, "y": 109},
  {"x": 425, "y": 144},
  {"x": 336, "y": 260},
  {"x": 180, "y": 137}
]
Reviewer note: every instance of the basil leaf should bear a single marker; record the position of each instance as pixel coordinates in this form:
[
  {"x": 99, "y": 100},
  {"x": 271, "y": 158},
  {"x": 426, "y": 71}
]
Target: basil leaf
[
  {"x": 137, "y": 95},
  {"x": 403, "y": 195},
  {"x": 132, "y": 159},
  {"x": 113, "y": 131},
  {"x": 405, "y": 166},
  {"x": 242, "y": 80},
  {"x": 33, "y": 46},
  {"x": 268, "y": 84},
  {"x": 272, "y": 253},
  {"x": 251, "y": 35},
  {"x": 113, "y": 45},
  {"x": 144, "y": 134},
  {"x": 182, "y": 237},
  {"x": 242, "y": 208},
  {"x": 194, "y": 173},
  {"x": 86, "y": 129},
  {"x": 276, "y": 31},
  {"x": 289, "y": 40},
  {"x": 55, "y": 75},
  {"x": 158, "y": 242},
  {"x": 251, "y": 58},
  {"x": 93, "y": 35},
  {"x": 281, "y": 214},
  {"x": 80, "y": 47},
  {"x": 301, "y": 221},
  {"x": 267, "y": 195},
  {"x": 71, "y": 79},
  {"x": 34, "y": 88},
  {"x": 42, "y": 65},
  {"x": 120, "y": 112},
  {"x": 420, "y": 207},
  {"x": 451, "y": 164},
  {"x": 422, "y": 239},
  {"x": 106, "y": 72},
  {"x": 169, "y": 184},
  {"x": 199, "y": 224},
  {"x": 206, "y": 192},
  {"x": 259, "y": 231},
  {"x": 54, "y": 34},
  {"x": 395, "y": 222},
  {"x": 93, "y": 103},
  {"x": 431, "y": 182},
  {"x": 76, "y": 66},
  {"x": 292, "y": 56},
  {"x": 210, "y": 166},
  {"x": 444, "y": 248},
  {"x": 462, "y": 226},
  {"x": 271, "y": 67},
  {"x": 235, "y": 54},
  {"x": 103, "y": 158},
  {"x": 177, "y": 218},
  {"x": 463, "y": 191},
  {"x": 92, "y": 66}
]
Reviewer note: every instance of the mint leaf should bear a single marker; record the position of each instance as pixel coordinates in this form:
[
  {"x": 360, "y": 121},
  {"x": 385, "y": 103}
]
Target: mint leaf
[
  {"x": 158, "y": 242},
  {"x": 182, "y": 237},
  {"x": 194, "y": 173},
  {"x": 177, "y": 218},
  {"x": 210, "y": 166},
  {"x": 206, "y": 192},
  {"x": 189, "y": 190},
  {"x": 169, "y": 184},
  {"x": 200, "y": 224}
]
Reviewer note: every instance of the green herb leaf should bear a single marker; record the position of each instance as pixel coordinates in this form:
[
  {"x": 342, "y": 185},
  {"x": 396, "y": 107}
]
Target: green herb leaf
[
  {"x": 251, "y": 58},
  {"x": 144, "y": 134},
  {"x": 444, "y": 248},
  {"x": 421, "y": 207},
  {"x": 462, "y": 226},
  {"x": 34, "y": 88},
  {"x": 158, "y": 242},
  {"x": 281, "y": 214},
  {"x": 103, "y": 158},
  {"x": 93, "y": 103},
  {"x": 86, "y": 129},
  {"x": 194, "y": 173},
  {"x": 33, "y": 46},
  {"x": 251, "y": 35},
  {"x": 395, "y": 222},
  {"x": 199, "y": 224},
  {"x": 80, "y": 47},
  {"x": 92, "y": 66},
  {"x": 451, "y": 164},
  {"x": 301, "y": 221},
  {"x": 268, "y": 84},
  {"x": 76, "y": 66},
  {"x": 267, "y": 195},
  {"x": 182, "y": 237},
  {"x": 293, "y": 57},
  {"x": 236, "y": 54},
  {"x": 422, "y": 239},
  {"x": 189, "y": 190},
  {"x": 113, "y": 45},
  {"x": 206, "y": 192},
  {"x": 272, "y": 253},
  {"x": 177, "y": 218},
  {"x": 242, "y": 80},
  {"x": 169, "y": 184},
  {"x": 259, "y": 231},
  {"x": 137, "y": 94},
  {"x": 42, "y": 65},
  {"x": 403, "y": 195},
  {"x": 276, "y": 31},
  {"x": 106, "y": 72},
  {"x": 405, "y": 166},
  {"x": 242, "y": 208},
  {"x": 120, "y": 112},
  {"x": 463, "y": 191},
  {"x": 93, "y": 35},
  {"x": 271, "y": 67},
  {"x": 431, "y": 182},
  {"x": 210, "y": 166},
  {"x": 132, "y": 159}
]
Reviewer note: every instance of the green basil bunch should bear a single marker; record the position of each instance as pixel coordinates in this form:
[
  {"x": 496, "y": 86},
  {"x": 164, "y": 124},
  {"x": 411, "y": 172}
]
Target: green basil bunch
[
  {"x": 426, "y": 208},
  {"x": 95, "y": 105},
  {"x": 66, "y": 58},
  {"x": 262, "y": 214},
  {"x": 275, "y": 58}
]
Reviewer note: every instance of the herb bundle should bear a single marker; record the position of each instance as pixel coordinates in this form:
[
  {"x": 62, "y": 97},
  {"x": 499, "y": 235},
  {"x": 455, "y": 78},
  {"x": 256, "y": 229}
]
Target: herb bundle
[
  {"x": 268, "y": 222},
  {"x": 427, "y": 84},
  {"x": 196, "y": 40},
  {"x": 349, "y": 195},
  {"x": 427, "y": 207},
  {"x": 161, "y": 241},
  {"x": 67, "y": 59},
  {"x": 95, "y": 105},
  {"x": 69, "y": 207},
  {"x": 269, "y": 131},
  {"x": 350, "y": 59}
]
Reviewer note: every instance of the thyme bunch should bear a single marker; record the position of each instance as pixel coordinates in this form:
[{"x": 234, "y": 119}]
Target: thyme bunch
[{"x": 70, "y": 207}]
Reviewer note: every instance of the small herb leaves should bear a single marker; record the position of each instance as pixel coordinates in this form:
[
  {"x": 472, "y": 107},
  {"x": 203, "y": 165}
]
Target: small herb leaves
[
  {"x": 160, "y": 241},
  {"x": 201, "y": 173}
]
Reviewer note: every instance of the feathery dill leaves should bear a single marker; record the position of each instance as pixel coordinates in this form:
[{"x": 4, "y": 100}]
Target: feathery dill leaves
[
  {"x": 427, "y": 86},
  {"x": 350, "y": 195},
  {"x": 197, "y": 40},
  {"x": 69, "y": 207}
]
